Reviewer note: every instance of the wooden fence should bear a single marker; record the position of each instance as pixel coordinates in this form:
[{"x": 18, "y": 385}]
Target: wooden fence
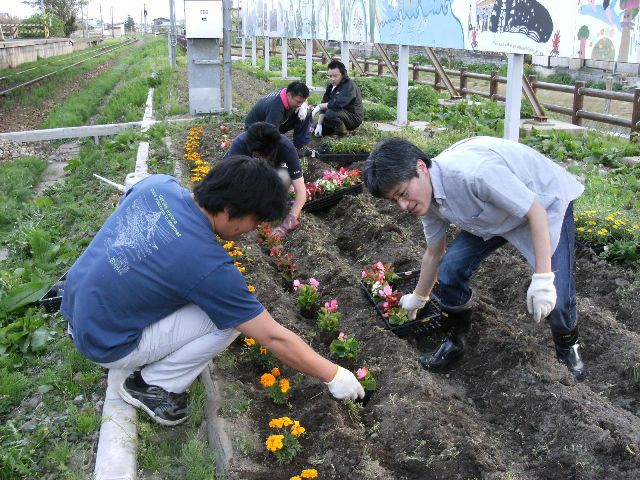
[{"x": 577, "y": 113}]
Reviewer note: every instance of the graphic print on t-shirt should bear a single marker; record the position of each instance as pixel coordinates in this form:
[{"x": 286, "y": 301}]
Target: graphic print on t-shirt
[{"x": 140, "y": 231}]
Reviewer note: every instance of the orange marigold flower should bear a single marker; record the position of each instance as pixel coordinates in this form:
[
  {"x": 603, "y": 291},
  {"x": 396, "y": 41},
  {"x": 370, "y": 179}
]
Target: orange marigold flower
[
  {"x": 267, "y": 380},
  {"x": 284, "y": 385},
  {"x": 274, "y": 442},
  {"x": 251, "y": 288},
  {"x": 286, "y": 421},
  {"x": 297, "y": 429},
  {"x": 275, "y": 372},
  {"x": 263, "y": 351},
  {"x": 309, "y": 473},
  {"x": 249, "y": 342},
  {"x": 275, "y": 423}
]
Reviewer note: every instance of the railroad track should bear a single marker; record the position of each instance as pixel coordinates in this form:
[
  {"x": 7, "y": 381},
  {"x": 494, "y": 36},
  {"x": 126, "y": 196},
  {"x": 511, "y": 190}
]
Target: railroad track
[{"x": 50, "y": 74}]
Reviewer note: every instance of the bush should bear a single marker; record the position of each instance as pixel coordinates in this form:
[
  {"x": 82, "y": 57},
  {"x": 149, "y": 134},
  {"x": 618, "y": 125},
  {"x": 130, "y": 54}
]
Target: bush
[
  {"x": 372, "y": 89},
  {"x": 377, "y": 112},
  {"x": 55, "y": 24}
]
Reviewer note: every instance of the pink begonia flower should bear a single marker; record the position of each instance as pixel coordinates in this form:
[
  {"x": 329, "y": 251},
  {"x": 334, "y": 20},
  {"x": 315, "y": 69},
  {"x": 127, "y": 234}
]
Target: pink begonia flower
[
  {"x": 296, "y": 284},
  {"x": 314, "y": 283},
  {"x": 386, "y": 291},
  {"x": 379, "y": 266},
  {"x": 331, "y": 306},
  {"x": 363, "y": 274},
  {"x": 342, "y": 336},
  {"x": 385, "y": 305},
  {"x": 361, "y": 373}
]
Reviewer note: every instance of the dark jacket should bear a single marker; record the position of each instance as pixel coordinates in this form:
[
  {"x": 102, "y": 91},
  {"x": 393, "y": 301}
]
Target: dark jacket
[
  {"x": 346, "y": 96},
  {"x": 269, "y": 109}
]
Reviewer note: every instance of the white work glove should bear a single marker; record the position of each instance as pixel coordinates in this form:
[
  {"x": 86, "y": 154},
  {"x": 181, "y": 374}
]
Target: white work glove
[
  {"x": 316, "y": 111},
  {"x": 345, "y": 385},
  {"x": 541, "y": 296},
  {"x": 413, "y": 302},
  {"x": 318, "y": 131},
  {"x": 302, "y": 111}
]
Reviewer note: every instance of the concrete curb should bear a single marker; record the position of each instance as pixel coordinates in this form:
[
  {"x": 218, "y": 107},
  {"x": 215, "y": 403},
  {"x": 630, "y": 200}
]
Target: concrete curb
[{"x": 216, "y": 433}]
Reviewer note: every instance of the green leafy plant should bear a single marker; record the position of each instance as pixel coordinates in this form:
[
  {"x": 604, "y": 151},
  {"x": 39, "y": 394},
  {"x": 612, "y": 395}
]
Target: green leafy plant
[{"x": 345, "y": 346}]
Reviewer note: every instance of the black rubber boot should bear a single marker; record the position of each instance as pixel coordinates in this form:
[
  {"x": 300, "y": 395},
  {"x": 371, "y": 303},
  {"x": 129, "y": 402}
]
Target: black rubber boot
[
  {"x": 451, "y": 349},
  {"x": 567, "y": 352}
]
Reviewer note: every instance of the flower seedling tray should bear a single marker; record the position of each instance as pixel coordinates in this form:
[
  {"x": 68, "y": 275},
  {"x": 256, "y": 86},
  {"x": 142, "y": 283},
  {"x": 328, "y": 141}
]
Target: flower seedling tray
[
  {"x": 331, "y": 199},
  {"x": 342, "y": 159},
  {"x": 428, "y": 320},
  {"x": 53, "y": 298}
]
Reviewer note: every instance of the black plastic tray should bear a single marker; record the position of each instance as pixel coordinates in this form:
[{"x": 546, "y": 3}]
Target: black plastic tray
[
  {"x": 53, "y": 298},
  {"x": 341, "y": 159},
  {"x": 331, "y": 199},
  {"x": 428, "y": 320}
]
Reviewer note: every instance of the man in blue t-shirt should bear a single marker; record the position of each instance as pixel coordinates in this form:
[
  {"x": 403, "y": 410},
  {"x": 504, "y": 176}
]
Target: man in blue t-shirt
[
  {"x": 263, "y": 141},
  {"x": 156, "y": 292}
]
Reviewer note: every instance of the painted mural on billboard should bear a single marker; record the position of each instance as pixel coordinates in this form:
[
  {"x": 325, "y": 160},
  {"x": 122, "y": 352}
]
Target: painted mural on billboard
[{"x": 588, "y": 29}]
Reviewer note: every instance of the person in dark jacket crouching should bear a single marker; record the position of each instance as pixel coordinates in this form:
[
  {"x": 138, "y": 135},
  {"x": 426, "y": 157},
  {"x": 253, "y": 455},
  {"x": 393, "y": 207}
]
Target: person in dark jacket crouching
[{"x": 341, "y": 107}]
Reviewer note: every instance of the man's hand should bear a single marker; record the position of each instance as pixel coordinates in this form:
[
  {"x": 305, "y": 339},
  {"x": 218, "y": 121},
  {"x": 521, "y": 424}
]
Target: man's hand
[
  {"x": 413, "y": 302},
  {"x": 288, "y": 224},
  {"x": 318, "y": 131},
  {"x": 345, "y": 385},
  {"x": 302, "y": 111},
  {"x": 316, "y": 111},
  {"x": 541, "y": 296}
]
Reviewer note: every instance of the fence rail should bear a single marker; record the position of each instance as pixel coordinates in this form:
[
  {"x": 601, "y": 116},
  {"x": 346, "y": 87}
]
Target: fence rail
[{"x": 377, "y": 67}]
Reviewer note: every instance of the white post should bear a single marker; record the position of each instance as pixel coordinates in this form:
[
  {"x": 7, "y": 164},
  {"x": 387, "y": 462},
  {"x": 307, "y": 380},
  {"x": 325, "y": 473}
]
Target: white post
[
  {"x": 344, "y": 54},
  {"x": 309, "y": 61},
  {"x": 267, "y": 53},
  {"x": 243, "y": 46},
  {"x": 285, "y": 56},
  {"x": 403, "y": 84},
  {"x": 253, "y": 51},
  {"x": 514, "y": 96}
]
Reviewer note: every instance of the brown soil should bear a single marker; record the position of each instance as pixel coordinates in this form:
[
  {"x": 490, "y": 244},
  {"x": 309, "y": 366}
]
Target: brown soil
[{"x": 509, "y": 410}]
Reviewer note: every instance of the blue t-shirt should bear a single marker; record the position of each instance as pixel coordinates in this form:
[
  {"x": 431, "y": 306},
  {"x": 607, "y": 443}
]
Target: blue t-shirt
[
  {"x": 286, "y": 154},
  {"x": 155, "y": 254}
]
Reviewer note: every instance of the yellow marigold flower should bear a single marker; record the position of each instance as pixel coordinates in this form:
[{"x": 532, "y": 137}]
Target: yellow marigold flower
[
  {"x": 267, "y": 380},
  {"x": 263, "y": 351},
  {"x": 286, "y": 421},
  {"x": 274, "y": 442},
  {"x": 295, "y": 478},
  {"x": 309, "y": 473},
  {"x": 580, "y": 229},
  {"x": 228, "y": 245},
  {"x": 591, "y": 222},
  {"x": 636, "y": 227},
  {"x": 251, "y": 288},
  {"x": 276, "y": 423},
  {"x": 284, "y": 385},
  {"x": 250, "y": 342},
  {"x": 241, "y": 269},
  {"x": 297, "y": 429},
  {"x": 275, "y": 372}
]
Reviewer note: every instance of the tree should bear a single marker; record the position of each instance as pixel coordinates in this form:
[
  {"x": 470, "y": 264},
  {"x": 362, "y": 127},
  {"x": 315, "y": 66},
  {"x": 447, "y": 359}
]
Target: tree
[
  {"x": 53, "y": 23},
  {"x": 129, "y": 24},
  {"x": 65, "y": 10}
]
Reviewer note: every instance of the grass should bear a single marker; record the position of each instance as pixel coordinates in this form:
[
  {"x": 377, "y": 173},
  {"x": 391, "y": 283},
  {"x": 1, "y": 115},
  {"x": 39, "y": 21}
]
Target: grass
[{"x": 17, "y": 179}]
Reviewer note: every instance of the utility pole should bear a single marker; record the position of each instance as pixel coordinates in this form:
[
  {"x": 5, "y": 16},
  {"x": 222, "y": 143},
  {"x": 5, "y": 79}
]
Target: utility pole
[
  {"x": 113, "y": 33},
  {"x": 101, "y": 22},
  {"x": 172, "y": 34}
]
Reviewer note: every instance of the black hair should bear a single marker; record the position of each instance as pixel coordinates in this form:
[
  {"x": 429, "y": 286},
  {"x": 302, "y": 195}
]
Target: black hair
[
  {"x": 245, "y": 186},
  {"x": 333, "y": 64},
  {"x": 392, "y": 161},
  {"x": 263, "y": 138},
  {"x": 298, "y": 89}
]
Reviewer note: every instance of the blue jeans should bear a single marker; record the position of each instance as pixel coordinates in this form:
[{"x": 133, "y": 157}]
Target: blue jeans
[
  {"x": 467, "y": 251},
  {"x": 300, "y": 129}
]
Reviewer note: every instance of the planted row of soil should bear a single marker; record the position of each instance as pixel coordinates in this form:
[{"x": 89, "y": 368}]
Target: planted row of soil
[{"x": 510, "y": 410}]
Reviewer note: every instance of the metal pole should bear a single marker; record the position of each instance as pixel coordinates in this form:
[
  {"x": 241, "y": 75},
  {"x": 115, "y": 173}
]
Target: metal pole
[
  {"x": 113, "y": 33},
  {"x": 344, "y": 54},
  {"x": 173, "y": 38},
  {"x": 253, "y": 51},
  {"x": 226, "y": 53},
  {"x": 403, "y": 84},
  {"x": 309, "y": 61},
  {"x": 285, "y": 55},
  {"x": 514, "y": 96},
  {"x": 243, "y": 49},
  {"x": 267, "y": 53}
]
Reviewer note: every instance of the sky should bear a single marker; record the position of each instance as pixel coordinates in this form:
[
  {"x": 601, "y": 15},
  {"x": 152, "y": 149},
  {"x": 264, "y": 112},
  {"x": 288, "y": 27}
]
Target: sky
[{"x": 121, "y": 8}]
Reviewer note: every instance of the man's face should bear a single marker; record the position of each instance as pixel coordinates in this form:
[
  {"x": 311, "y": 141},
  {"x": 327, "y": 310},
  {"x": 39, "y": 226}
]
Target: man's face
[
  {"x": 231, "y": 228},
  {"x": 295, "y": 101},
  {"x": 414, "y": 195},
  {"x": 335, "y": 77}
]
